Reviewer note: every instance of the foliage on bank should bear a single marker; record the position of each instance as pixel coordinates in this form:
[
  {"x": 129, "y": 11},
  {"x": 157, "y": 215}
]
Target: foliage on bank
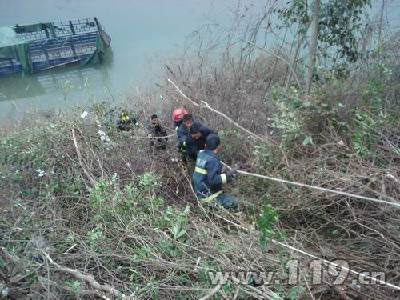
[{"x": 124, "y": 217}]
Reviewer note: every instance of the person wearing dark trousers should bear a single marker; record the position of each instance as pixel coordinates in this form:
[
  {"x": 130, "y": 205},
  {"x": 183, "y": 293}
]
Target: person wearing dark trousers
[
  {"x": 157, "y": 134},
  {"x": 208, "y": 178},
  {"x": 183, "y": 133}
]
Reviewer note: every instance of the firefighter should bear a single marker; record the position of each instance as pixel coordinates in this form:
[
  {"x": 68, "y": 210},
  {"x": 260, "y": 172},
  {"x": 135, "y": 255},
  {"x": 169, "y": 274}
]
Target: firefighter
[
  {"x": 197, "y": 140},
  {"x": 208, "y": 178},
  {"x": 125, "y": 122},
  {"x": 177, "y": 116},
  {"x": 183, "y": 133},
  {"x": 190, "y": 144},
  {"x": 157, "y": 133}
]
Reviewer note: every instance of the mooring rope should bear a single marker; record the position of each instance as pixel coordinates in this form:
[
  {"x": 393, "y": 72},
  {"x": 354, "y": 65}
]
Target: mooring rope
[
  {"x": 154, "y": 137},
  {"x": 397, "y": 205},
  {"x": 329, "y": 263}
]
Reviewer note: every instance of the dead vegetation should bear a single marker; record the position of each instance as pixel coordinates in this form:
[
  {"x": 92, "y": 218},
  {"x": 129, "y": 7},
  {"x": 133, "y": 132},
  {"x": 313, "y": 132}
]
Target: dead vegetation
[{"x": 94, "y": 217}]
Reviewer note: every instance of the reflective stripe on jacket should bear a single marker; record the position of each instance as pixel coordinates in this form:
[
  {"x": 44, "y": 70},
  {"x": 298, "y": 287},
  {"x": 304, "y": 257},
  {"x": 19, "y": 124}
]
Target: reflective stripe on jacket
[{"x": 207, "y": 176}]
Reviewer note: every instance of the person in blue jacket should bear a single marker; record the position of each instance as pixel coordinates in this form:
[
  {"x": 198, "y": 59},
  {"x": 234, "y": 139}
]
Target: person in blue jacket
[
  {"x": 183, "y": 133},
  {"x": 189, "y": 143},
  {"x": 184, "y": 130},
  {"x": 208, "y": 178},
  {"x": 199, "y": 134}
]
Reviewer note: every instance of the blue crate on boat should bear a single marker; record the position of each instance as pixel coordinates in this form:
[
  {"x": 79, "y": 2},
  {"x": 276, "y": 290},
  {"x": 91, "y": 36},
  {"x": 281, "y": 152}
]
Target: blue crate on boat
[{"x": 28, "y": 49}]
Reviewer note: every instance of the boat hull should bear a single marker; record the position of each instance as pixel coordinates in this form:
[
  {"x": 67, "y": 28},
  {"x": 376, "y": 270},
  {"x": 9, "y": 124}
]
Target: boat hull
[{"x": 85, "y": 43}]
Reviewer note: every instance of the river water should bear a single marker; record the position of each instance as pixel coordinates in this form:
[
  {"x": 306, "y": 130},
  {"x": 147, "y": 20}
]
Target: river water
[{"x": 142, "y": 33}]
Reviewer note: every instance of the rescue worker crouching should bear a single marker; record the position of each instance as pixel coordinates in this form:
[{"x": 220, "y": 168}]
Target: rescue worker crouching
[
  {"x": 198, "y": 136},
  {"x": 208, "y": 178},
  {"x": 191, "y": 137},
  {"x": 125, "y": 122},
  {"x": 157, "y": 133}
]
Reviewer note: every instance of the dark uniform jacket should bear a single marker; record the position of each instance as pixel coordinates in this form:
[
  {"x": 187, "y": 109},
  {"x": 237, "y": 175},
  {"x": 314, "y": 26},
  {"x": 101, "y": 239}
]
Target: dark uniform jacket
[
  {"x": 201, "y": 142},
  {"x": 182, "y": 132},
  {"x": 192, "y": 145},
  {"x": 125, "y": 123},
  {"x": 207, "y": 175},
  {"x": 157, "y": 131}
]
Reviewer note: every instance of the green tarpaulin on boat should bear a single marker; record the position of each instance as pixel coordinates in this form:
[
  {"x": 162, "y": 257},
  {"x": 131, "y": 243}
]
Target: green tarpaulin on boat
[
  {"x": 13, "y": 47},
  {"x": 97, "y": 56}
]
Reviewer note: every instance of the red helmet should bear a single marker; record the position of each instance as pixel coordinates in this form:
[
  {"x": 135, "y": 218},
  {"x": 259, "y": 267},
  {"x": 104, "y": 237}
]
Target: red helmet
[{"x": 178, "y": 114}]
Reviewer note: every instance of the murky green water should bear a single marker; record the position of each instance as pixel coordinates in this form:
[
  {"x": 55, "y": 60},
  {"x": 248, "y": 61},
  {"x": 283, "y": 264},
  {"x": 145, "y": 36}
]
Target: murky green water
[{"x": 142, "y": 32}]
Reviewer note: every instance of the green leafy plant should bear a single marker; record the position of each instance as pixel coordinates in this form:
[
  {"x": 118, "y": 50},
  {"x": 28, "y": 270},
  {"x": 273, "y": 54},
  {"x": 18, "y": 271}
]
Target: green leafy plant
[
  {"x": 175, "y": 220},
  {"x": 295, "y": 292},
  {"x": 95, "y": 236},
  {"x": 100, "y": 193},
  {"x": 363, "y": 133},
  {"x": 266, "y": 221},
  {"x": 74, "y": 285},
  {"x": 148, "y": 180},
  {"x": 339, "y": 25},
  {"x": 287, "y": 120},
  {"x": 169, "y": 247}
]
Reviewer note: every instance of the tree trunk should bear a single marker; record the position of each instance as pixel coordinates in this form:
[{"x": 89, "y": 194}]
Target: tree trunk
[
  {"x": 313, "y": 43},
  {"x": 381, "y": 23}
]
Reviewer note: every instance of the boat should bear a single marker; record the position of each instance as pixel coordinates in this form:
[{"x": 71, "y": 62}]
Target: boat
[{"x": 32, "y": 48}]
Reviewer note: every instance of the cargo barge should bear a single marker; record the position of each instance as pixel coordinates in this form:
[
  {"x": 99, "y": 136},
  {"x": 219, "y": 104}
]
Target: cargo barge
[{"x": 28, "y": 49}]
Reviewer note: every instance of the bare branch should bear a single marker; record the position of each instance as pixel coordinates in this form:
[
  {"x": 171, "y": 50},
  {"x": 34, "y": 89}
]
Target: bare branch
[{"x": 87, "y": 278}]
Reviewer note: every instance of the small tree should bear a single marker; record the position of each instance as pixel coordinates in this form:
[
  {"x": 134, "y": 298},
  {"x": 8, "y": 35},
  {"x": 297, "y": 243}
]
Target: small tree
[
  {"x": 335, "y": 25},
  {"x": 313, "y": 43}
]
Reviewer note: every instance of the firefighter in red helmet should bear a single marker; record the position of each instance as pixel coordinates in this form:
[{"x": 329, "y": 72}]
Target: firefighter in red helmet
[{"x": 177, "y": 116}]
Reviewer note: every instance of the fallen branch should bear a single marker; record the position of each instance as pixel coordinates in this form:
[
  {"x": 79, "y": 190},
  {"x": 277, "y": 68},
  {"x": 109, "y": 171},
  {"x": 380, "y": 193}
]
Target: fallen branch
[
  {"x": 212, "y": 292},
  {"x": 78, "y": 152},
  {"x": 278, "y": 57},
  {"x": 89, "y": 279},
  {"x": 330, "y": 264},
  {"x": 206, "y": 105},
  {"x": 182, "y": 93}
]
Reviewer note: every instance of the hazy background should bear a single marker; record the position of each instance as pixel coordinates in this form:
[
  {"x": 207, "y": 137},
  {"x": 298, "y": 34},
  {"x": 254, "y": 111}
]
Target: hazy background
[{"x": 142, "y": 33}]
